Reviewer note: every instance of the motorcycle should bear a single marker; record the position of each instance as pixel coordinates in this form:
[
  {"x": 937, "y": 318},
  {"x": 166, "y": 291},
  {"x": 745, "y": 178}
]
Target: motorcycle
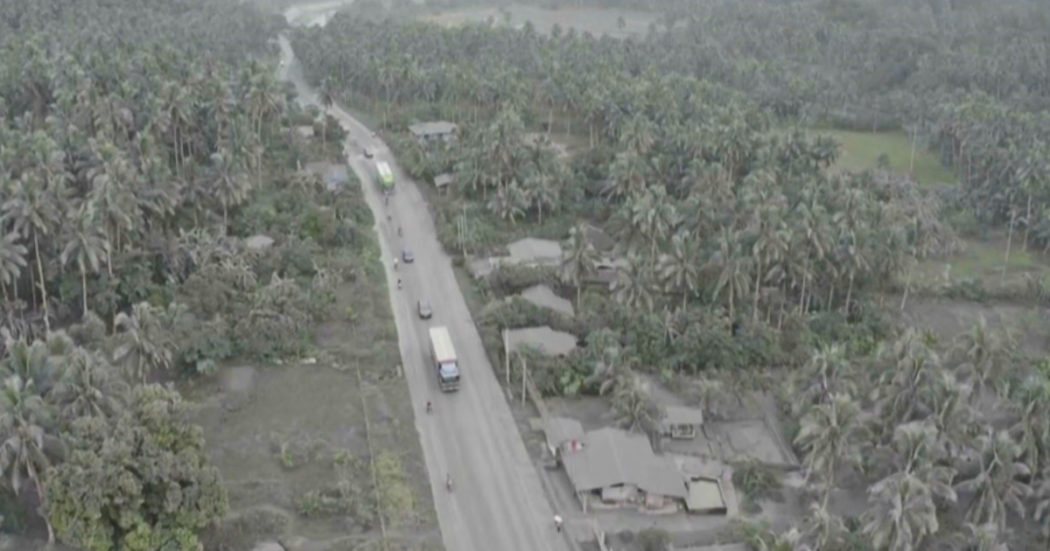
[
  {"x": 448, "y": 482},
  {"x": 399, "y": 284}
]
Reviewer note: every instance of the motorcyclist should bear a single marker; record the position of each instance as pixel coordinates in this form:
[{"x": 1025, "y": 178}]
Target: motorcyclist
[
  {"x": 395, "y": 263},
  {"x": 430, "y": 406},
  {"x": 448, "y": 481},
  {"x": 399, "y": 231},
  {"x": 398, "y": 283}
]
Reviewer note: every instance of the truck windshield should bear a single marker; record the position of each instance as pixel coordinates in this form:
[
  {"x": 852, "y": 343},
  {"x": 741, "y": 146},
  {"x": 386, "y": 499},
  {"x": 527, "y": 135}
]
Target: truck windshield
[{"x": 449, "y": 371}]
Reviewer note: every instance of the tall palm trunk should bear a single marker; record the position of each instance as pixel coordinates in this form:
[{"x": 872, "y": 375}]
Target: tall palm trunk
[
  {"x": 83, "y": 287},
  {"x": 754, "y": 306},
  {"x": 43, "y": 284},
  {"x": 1009, "y": 242}
]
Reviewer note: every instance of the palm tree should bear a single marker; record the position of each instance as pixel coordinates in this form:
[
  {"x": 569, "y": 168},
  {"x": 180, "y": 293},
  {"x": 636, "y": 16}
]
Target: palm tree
[
  {"x": 580, "y": 259},
  {"x": 984, "y": 355},
  {"x": 144, "y": 344},
  {"x": 33, "y": 209},
  {"x": 229, "y": 183},
  {"x": 22, "y": 420},
  {"x": 87, "y": 387},
  {"x": 998, "y": 486},
  {"x": 84, "y": 244},
  {"x": 327, "y": 100},
  {"x": 678, "y": 268},
  {"x": 12, "y": 260},
  {"x": 902, "y": 513},
  {"x": 1032, "y": 429},
  {"x": 732, "y": 267},
  {"x": 633, "y": 405},
  {"x": 631, "y": 287},
  {"x": 831, "y": 434}
]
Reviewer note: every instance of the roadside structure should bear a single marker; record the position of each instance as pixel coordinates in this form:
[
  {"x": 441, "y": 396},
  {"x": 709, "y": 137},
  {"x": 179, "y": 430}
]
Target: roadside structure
[
  {"x": 681, "y": 423},
  {"x": 535, "y": 251},
  {"x": 563, "y": 435},
  {"x": 615, "y": 468},
  {"x": 443, "y": 181},
  {"x": 334, "y": 175},
  {"x": 541, "y": 295},
  {"x": 427, "y": 133},
  {"x": 544, "y": 339}
]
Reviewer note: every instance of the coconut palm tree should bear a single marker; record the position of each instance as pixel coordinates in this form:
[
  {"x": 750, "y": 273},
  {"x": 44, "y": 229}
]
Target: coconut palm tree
[
  {"x": 23, "y": 416},
  {"x": 12, "y": 260},
  {"x": 999, "y": 485},
  {"x": 580, "y": 258},
  {"x": 229, "y": 183},
  {"x": 88, "y": 387},
  {"x": 327, "y": 100},
  {"x": 984, "y": 355},
  {"x": 678, "y": 268},
  {"x": 831, "y": 434},
  {"x": 33, "y": 211},
  {"x": 143, "y": 343},
  {"x": 902, "y": 515},
  {"x": 84, "y": 245},
  {"x": 732, "y": 267},
  {"x": 632, "y": 285}
]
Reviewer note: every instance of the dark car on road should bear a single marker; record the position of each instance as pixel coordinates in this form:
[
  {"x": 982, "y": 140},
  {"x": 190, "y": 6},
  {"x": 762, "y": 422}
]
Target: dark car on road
[
  {"x": 368, "y": 152},
  {"x": 407, "y": 256},
  {"x": 424, "y": 309}
]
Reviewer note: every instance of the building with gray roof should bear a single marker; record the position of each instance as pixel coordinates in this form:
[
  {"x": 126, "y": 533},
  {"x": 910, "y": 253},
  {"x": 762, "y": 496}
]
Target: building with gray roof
[
  {"x": 618, "y": 468},
  {"x": 431, "y": 132}
]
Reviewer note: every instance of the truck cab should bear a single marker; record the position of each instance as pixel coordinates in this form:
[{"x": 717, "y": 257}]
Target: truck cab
[{"x": 445, "y": 361}]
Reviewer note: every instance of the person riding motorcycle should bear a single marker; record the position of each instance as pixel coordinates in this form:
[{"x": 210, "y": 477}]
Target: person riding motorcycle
[
  {"x": 430, "y": 406},
  {"x": 398, "y": 283},
  {"x": 448, "y": 482}
]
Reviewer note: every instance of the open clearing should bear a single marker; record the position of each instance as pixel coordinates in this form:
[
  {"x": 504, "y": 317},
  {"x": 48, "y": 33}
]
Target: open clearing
[
  {"x": 861, "y": 151},
  {"x": 597, "y": 21},
  {"x": 282, "y": 434}
]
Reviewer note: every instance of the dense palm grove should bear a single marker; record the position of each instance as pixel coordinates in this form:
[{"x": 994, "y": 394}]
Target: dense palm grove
[
  {"x": 744, "y": 254},
  {"x": 139, "y": 142}
]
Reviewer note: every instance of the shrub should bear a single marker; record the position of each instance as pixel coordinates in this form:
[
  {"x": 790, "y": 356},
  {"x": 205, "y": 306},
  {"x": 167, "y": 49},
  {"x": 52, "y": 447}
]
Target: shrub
[
  {"x": 755, "y": 480},
  {"x": 508, "y": 280},
  {"x": 654, "y": 539}
]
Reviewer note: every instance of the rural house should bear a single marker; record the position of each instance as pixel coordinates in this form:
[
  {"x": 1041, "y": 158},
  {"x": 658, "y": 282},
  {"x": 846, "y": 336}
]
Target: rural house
[
  {"x": 681, "y": 423},
  {"x": 427, "y": 133},
  {"x": 615, "y": 468},
  {"x": 563, "y": 435}
]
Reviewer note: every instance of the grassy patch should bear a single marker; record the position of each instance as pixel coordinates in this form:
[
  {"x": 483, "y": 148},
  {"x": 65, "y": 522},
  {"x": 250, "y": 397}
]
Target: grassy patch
[
  {"x": 617, "y": 23},
  {"x": 861, "y": 151}
]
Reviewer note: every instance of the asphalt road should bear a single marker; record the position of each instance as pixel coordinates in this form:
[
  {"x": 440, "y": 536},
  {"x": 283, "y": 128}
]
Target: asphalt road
[{"x": 497, "y": 502}]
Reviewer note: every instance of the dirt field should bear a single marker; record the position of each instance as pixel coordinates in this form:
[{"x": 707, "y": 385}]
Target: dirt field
[
  {"x": 292, "y": 441},
  {"x": 596, "y": 21}
]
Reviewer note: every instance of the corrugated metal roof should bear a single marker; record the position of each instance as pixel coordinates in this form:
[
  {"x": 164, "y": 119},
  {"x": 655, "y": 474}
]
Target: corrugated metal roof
[
  {"x": 562, "y": 429},
  {"x": 705, "y": 495},
  {"x": 612, "y": 456},
  {"x": 544, "y": 339},
  {"x": 680, "y": 415},
  {"x": 432, "y": 128}
]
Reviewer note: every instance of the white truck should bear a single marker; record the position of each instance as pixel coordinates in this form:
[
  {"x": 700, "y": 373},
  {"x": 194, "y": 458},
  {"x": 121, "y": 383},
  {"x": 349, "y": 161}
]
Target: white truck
[{"x": 444, "y": 359}]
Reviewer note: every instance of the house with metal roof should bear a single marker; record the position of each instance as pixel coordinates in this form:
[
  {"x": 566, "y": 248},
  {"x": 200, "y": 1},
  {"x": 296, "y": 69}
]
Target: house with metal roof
[
  {"x": 616, "y": 468},
  {"x": 564, "y": 435},
  {"x": 681, "y": 422},
  {"x": 427, "y": 133}
]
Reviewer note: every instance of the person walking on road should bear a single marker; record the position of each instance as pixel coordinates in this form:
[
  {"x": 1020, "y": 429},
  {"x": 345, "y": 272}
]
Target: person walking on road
[{"x": 557, "y": 522}]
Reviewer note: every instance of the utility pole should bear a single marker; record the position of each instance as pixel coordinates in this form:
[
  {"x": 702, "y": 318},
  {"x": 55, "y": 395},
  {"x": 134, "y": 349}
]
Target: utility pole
[
  {"x": 506, "y": 354},
  {"x": 524, "y": 375}
]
